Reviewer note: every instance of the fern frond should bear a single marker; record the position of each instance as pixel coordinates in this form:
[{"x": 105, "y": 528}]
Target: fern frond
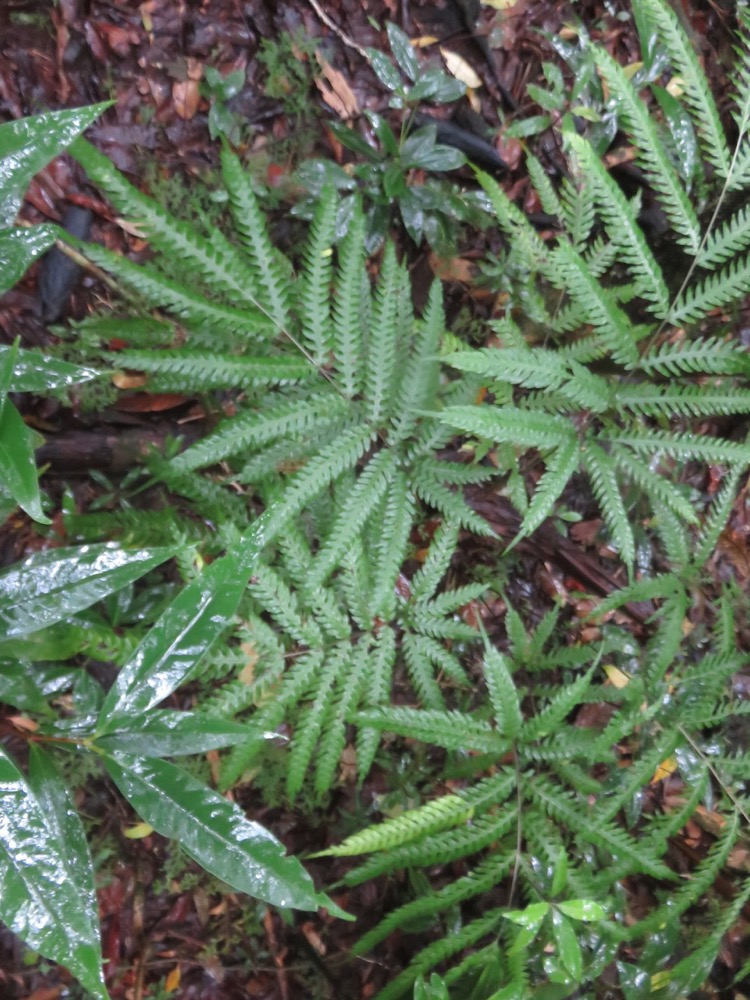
[
  {"x": 293, "y": 687},
  {"x": 194, "y": 309},
  {"x": 440, "y": 951},
  {"x": 292, "y": 416},
  {"x": 421, "y": 375},
  {"x": 369, "y": 489},
  {"x": 392, "y": 543},
  {"x": 284, "y": 606},
  {"x": 685, "y": 446},
  {"x": 428, "y": 577},
  {"x": 577, "y": 202},
  {"x": 727, "y": 241},
  {"x": 559, "y": 467},
  {"x": 653, "y": 156},
  {"x": 717, "y": 517},
  {"x": 716, "y": 291},
  {"x": 450, "y": 729},
  {"x": 380, "y": 663},
  {"x": 622, "y": 226},
  {"x": 333, "y": 739},
  {"x": 657, "y": 487},
  {"x": 314, "y": 718},
  {"x": 603, "y": 474},
  {"x": 414, "y": 824},
  {"x": 559, "y": 708},
  {"x": 712, "y": 356},
  {"x": 202, "y": 371},
  {"x": 222, "y": 266},
  {"x": 601, "y": 308},
  {"x": 502, "y": 691},
  {"x": 421, "y": 674},
  {"x": 484, "y": 877},
  {"x": 613, "y": 839},
  {"x": 382, "y": 346},
  {"x": 694, "y": 84},
  {"x": 352, "y": 294},
  {"x": 317, "y": 333},
  {"x": 511, "y": 424},
  {"x": 271, "y": 285}
]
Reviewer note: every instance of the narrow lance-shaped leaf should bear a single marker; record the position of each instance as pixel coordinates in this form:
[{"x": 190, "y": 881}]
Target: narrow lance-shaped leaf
[
  {"x": 51, "y": 586},
  {"x": 28, "y": 144},
  {"x": 171, "y": 734},
  {"x": 216, "y": 833},
  {"x": 19, "y": 248},
  {"x": 175, "y": 644},
  {"x": 18, "y": 473},
  {"x": 46, "y": 885}
]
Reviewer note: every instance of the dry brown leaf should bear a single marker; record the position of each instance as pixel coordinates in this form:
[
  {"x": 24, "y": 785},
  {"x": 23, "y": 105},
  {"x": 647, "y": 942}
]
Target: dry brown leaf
[{"x": 335, "y": 90}]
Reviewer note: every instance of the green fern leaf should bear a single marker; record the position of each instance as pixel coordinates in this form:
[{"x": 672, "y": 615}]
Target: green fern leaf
[
  {"x": 694, "y": 83},
  {"x": 316, "y": 280},
  {"x": 660, "y": 171},
  {"x": 717, "y": 291},
  {"x": 271, "y": 285},
  {"x": 560, "y": 466},
  {"x": 622, "y": 226},
  {"x": 350, "y": 322},
  {"x": 603, "y": 475}
]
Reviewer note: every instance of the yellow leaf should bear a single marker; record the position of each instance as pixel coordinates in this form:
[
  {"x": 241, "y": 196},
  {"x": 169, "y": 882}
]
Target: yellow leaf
[
  {"x": 499, "y": 4},
  {"x": 173, "y": 980},
  {"x": 667, "y": 767},
  {"x": 615, "y": 676},
  {"x": 138, "y": 831},
  {"x": 462, "y": 71}
]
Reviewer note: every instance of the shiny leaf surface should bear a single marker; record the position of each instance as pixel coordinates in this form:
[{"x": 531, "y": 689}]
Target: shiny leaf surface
[
  {"x": 175, "y": 644},
  {"x": 170, "y": 734},
  {"x": 28, "y": 144},
  {"x": 46, "y": 884},
  {"x": 33, "y": 372},
  {"x": 17, "y": 466},
  {"x": 215, "y": 833},
  {"x": 50, "y": 586},
  {"x": 19, "y": 248}
]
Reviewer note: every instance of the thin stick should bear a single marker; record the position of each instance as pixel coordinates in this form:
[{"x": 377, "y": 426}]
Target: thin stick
[{"x": 349, "y": 42}]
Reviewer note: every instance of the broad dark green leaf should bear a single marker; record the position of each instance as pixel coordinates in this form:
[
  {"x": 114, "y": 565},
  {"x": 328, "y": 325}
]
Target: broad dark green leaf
[
  {"x": 170, "y": 734},
  {"x": 403, "y": 51},
  {"x": 46, "y": 885},
  {"x": 29, "y": 686},
  {"x": 568, "y": 947},
  {"x": 50, "y": 586},
  {"x": 17, "y": 466},
  {"x": 385, "y": 71},
  {"x": 19, "y": 248},
  {"x": 216, "y": 833},
  {"x": 176, "y": 643},
  {"x": 28, "y": 144},
  {"x": 438, "y": 158},
  {"x": 33, "y": 372},
  {"x": 435, "y": 85}
]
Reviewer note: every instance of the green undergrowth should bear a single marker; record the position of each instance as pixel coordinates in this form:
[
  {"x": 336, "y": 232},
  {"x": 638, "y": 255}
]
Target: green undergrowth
[{"x": 302, "y": 568}]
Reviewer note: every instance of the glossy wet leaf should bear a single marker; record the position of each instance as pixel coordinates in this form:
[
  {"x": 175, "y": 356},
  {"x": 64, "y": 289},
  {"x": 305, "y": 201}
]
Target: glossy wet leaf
[
  {"x": 170, "y": 734},
  {"x": 568, "y": 947},
  {"x": 434, "y": 990},
  {"x": 46, "y": 882},
  {"x": 582, "y": 909},
  {"x": 176, "y": 642},
  {"x": 28, "y": 144},
  {"x": 215, "y": 833},
  {"x": 29, "y": 687},
  {"x": 19, "y": 248},
  {"x": 403, "y": 51},
  {"x": 384, "y": 69},
  {"x": 34, "y": 372},
  {"x": 18, "y": 472},
  {"x": 51, "y": 586}
]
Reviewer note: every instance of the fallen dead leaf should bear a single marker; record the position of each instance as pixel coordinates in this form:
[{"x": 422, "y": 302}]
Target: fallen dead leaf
[{"x": 335, "y": 90}]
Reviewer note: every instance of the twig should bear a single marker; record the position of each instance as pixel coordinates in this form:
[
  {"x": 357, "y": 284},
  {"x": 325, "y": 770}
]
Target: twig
[{"x": 349, "y": 42}]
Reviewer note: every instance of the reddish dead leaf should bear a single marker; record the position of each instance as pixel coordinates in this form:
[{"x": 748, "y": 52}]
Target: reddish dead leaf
[
  {"x": 313, "y": 938},
  {"x": 456, "y": 269},
  {"x": 335, "y": 90},
  {"x": 146, "y": 403},
  {"x": 186, "y": 93},
  {"x": 46, "y": 993}
]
